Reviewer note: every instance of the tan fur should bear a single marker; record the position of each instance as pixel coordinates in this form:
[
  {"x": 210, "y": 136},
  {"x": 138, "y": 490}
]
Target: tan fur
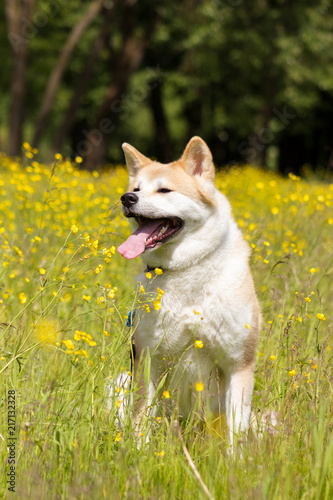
[{"x": 206, "y": 270}]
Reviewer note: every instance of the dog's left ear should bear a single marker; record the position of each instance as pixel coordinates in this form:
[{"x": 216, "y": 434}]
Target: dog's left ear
[
  {"x": 198, "y": 159},
  {"x": 134, "y": 159}
]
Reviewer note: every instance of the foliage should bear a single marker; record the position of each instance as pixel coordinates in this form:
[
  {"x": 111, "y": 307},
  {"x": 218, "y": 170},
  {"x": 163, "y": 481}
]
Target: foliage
[
  {"x": 225, "y": 68},
  {"x": 65, "y": 296}
]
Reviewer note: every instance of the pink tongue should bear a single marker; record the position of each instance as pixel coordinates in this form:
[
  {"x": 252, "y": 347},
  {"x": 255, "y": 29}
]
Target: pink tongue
[{"x": 136, "y": 243}]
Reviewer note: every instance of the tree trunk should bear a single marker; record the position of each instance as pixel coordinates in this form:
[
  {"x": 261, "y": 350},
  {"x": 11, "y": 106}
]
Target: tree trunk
[
  {"x": 125, "y": 63},
  {"x": 61, "y": 66},
  {"x": 262, "y": 137},
  {"x": 68, "y": 124},
  {"x": 162, "y": 138},
  {"x": 18, "y": 15},
  {"x": 94, "y": 147}
]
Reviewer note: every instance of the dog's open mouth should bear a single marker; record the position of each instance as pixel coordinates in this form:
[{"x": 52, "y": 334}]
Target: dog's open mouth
[{"x": 150, "y": 234}]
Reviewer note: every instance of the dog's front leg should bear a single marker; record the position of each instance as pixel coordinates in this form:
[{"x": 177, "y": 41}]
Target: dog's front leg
[{"x": 239, "y": 387}]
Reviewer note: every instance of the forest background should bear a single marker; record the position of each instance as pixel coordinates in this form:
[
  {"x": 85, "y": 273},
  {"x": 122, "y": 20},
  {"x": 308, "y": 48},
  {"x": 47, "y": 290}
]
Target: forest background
[{"x": 254, "y": 79}]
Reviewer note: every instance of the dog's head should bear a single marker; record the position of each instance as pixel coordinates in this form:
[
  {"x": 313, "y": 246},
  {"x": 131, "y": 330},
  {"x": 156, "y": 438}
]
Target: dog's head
[{"x": 168, "y": 204}]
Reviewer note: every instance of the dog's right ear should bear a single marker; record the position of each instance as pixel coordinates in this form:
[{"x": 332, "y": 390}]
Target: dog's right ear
[{"x": 134, "y": 159}]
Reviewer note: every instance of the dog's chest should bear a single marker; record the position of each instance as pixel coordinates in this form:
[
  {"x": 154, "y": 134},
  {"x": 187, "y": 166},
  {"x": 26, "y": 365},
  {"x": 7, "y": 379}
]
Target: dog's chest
[{"x": 192, "y": 309}]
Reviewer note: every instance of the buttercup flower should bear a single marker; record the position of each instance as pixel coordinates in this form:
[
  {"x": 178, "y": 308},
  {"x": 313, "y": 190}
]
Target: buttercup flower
[{"x": 199, "y": 387}]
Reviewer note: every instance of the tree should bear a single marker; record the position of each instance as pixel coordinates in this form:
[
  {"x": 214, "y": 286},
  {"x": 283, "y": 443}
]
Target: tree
[
  {"x": 83, "y": 81},
  {"x": 61, "y": 65},
  {"x": 18, "y": 13},
  {"x": 134, "y": 39}
]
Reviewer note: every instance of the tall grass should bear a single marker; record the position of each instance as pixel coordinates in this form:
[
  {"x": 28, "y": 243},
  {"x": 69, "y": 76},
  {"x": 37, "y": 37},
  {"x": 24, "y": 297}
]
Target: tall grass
[{"x": 65, "y": 295}]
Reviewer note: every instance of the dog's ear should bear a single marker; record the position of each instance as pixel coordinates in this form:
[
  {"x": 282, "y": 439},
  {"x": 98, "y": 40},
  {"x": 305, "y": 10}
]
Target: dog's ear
[
  {"x": 198, "y": 160},
  {"x": 134, "y": 159}
]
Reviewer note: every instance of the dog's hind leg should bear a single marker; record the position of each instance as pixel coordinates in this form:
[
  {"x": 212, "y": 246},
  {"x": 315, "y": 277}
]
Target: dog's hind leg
[{"x": 239, "y": 387}]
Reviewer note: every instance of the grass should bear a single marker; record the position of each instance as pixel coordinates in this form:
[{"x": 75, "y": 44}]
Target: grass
[{"x": 64, "y": 299}]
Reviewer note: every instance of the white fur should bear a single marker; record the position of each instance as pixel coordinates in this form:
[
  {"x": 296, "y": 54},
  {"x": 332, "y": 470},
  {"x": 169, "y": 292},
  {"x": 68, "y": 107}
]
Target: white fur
[{"x": 205, "y": 270}]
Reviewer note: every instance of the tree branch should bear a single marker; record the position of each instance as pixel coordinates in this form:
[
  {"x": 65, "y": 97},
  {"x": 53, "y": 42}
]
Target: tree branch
[{"x": 61, "y": 65}]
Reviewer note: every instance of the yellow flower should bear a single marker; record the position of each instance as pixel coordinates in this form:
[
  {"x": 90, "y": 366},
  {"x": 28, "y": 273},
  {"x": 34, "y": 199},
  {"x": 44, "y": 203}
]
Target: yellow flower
[
  {"x": 42, "y": 271},
  {"x": 74, "y": 229},
  {"x": 106, "y": 333},
  {"x": 272, "y": 358},
  {"x": 199, "y": 387},
  {"x": 148, "y": 275},
  {"x": 321, "y": 317},
  {"x": 58, "y": 157},
  {"x": 158, "y": 271},
  {"x": 198, "y": 344},
  {"x": 22, "y": 298},
  {"x": 68, "y": 343},
  {"x": 78, "y": 159},
  {"x": 118, "y": 437},
  {"x": 166, "y": 394},
  {"x": 292, "y": 373},
  {"x": 87, "y": 298},
  {"x": 77, "y": 335},
  {"x": 247, "y": 326}
]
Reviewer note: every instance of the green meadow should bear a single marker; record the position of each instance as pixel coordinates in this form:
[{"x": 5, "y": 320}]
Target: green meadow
[{"x": 65, "y": 294}]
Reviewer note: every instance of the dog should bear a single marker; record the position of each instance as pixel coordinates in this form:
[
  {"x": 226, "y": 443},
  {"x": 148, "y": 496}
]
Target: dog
[{"x": 202, "y": 336}]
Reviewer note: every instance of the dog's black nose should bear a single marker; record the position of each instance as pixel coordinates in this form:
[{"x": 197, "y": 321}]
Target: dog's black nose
[{"x": 129, "y": 199}]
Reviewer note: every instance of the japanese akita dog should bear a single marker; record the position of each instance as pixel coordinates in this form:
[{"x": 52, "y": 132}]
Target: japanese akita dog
[{"x": 207, "y": 322}]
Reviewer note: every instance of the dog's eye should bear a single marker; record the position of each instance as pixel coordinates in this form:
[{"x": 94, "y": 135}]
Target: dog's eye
[
  {"x": 136, "y": 189},
  {"x": 164, "y": 190}
]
